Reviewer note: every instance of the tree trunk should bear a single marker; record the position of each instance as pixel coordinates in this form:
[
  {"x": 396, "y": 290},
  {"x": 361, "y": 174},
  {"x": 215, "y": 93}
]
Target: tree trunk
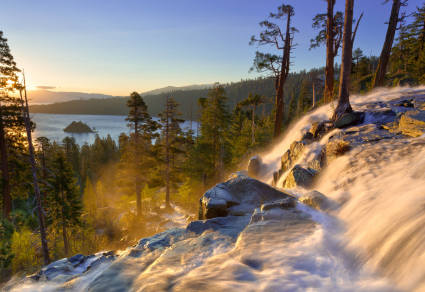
[
  {"x": 379, "y": 79},
  {"x": 138, "y": 186},
  {"x": 282, "y": 78},
  {"x": 167, "y": 156},
  {"x": 347, "y": 56},
  {"x": 25, "y": 111},
  {"x": 253, "y": 125},
  {"x": 64, "y": 233},
  {"x": 330, "y": 53},
  {"x": 7, "y": 199}
]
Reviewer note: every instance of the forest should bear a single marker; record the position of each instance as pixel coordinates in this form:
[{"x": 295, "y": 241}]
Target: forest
[{"x": 59, "y": 199}]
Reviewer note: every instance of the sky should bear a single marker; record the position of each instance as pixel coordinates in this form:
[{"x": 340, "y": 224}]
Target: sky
[{"x": 119, "y": 46}]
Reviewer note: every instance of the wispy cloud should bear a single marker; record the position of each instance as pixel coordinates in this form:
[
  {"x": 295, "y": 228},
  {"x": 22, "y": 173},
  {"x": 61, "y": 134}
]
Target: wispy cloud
[{"x": 45, "y": 87}]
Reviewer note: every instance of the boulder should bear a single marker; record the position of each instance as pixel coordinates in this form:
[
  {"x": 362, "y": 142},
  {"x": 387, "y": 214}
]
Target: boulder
[
  {"x": 254, "y": 166},
  {"x": 349, "y": 119},
  {"x": 315, "y": 200},
  {"x": 296, "y": 149},
  {"x": 412, "y": 123},
  {"x": 237, "y": 196},
  {"x": 308, "y": 138},
  {"x": 318, "y": 129},
  {"x": 286, "y": 161},
  {"x": 299, "y": 177},
  {"x": 336, "y": 148}
]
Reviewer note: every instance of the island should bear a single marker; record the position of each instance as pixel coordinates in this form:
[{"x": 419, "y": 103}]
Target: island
[{"x": 78, "y": 127}]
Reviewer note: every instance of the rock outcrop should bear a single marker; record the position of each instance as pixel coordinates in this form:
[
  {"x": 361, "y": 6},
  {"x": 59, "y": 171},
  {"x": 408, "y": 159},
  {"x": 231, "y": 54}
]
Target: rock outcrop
[
  {"x": 412, "y": 123},
  {"x": 349, "y": 119},
  {"x": 238, "y": 196},
  {"x": 299, "y": 177}
]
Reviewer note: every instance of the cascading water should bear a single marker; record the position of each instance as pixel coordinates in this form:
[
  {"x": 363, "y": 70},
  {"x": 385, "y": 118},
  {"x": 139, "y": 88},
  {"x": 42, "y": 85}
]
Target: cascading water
[
  {"x": 372, "y": 239},
  {"x": 380, "y": 191}
]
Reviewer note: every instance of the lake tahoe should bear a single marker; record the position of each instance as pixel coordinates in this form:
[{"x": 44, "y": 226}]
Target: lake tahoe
[{"x": 52, "y": 125}]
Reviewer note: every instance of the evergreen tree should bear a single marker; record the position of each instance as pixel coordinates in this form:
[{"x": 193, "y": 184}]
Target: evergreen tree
[
  {"x": 278, "y": 65},
  {"x": 10, "y": 118},
  {"x": 253, "y": 101},
  {"x": 64, "y": 203},
  {"x": 171, "y": 143},
  {"x": 144, "y": 128},
  {"x": 214, "y": 129}
]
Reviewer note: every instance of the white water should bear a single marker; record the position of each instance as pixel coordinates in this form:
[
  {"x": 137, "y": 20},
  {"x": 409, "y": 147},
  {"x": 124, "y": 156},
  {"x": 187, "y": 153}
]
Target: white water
[
  {"x": 374, "y": 240},
  {"x": 381, "y": 193}
]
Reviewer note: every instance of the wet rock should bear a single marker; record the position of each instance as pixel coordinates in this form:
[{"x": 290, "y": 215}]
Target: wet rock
[
  {"x": 405, "y": 103},
  {"x": 288, "y": 215},
  {"x": 286, "y": 160},
  {"x": 240, "y": 195},
  {"x": 299, "y": 177},
  {"x": 336, "y": 148},
  {"x": 296, "y": 149},
  {"x": 255, "y": 166},
  {"x": 286, "y": 203},
  {"x": 162, "y": 240},
  {"x": 318, "y": 129},
  {"x": 412, "y": 123},
  {"x": 230, "y": 226},
  {"x": 316, "y": 164},
  {"x": 349, "y": 119},
  {"x": 68, "y": 268},
  {"x": 308, "y": 138},
  {"x": 315, "y": 200}
]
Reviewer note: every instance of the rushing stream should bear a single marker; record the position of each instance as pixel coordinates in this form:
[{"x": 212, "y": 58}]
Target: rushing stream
[{"x": 372, "y": 239}]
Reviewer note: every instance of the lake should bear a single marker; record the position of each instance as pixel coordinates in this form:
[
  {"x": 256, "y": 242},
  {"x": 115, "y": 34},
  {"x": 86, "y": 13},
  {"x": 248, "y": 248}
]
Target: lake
[{"x": 52, "y": 125}]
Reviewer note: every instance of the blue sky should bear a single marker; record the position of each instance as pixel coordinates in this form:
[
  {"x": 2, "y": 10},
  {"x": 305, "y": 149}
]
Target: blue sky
[{"x": 118, "y": 46}]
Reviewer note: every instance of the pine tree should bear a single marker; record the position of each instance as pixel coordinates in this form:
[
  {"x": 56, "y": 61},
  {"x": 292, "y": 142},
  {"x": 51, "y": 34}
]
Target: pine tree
[
  {"x": 379, "y": 77},
  {"x": 10, "y": 118},
  {"x": 144, "y": 128},
  {"x": 171, "y": 143},
  {"x": 214, "y": 128},
  {"x": 64, "y": 203},
  {"x": 277, "y": 65},
  {"x": 330, "y": 27}
]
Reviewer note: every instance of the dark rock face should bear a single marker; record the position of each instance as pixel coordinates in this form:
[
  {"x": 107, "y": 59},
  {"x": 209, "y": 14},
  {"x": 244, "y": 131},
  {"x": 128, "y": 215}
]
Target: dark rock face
[
  {"x": 254, "y": 166},
  {"x": 412, "y": 123},
  {"x": 237, "y": 196},
  {"x": 299, "y": 177},
  {"x": 349, "y": 119}
]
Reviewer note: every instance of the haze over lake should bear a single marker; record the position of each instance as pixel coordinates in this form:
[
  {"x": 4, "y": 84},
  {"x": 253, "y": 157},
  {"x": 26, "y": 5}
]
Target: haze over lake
[{"x": 52, "y": 125}]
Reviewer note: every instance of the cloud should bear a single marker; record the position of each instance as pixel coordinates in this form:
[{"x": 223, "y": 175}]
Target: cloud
[{"x": 45, "y": 87}]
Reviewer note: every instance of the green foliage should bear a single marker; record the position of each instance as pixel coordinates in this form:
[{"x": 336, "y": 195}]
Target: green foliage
[{"x": 407, "y": 62}]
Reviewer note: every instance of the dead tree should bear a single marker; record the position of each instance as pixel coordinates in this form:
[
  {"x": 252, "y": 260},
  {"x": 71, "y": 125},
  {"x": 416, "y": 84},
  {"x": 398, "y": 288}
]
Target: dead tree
[
  {"x": 26, "y": 116},
  {"x": 379, "y": 78}
]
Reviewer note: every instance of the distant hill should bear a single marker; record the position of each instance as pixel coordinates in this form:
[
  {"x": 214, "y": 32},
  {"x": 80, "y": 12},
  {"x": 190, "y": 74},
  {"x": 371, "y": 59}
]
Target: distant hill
[
  {"x": 45, "y": 96},
  {"x": 169, "y": 89},
  {"x": 187, "y": 98},
  {"x": 42, "y": 96}
]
